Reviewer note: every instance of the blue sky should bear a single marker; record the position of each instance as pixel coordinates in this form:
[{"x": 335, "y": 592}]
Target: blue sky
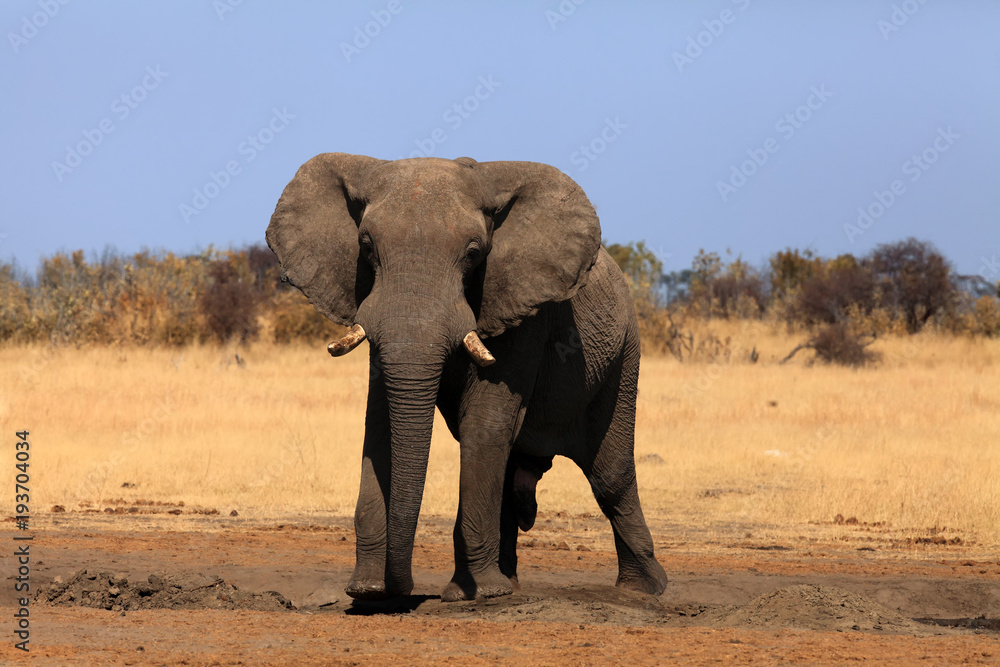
[{"x": 737, "y": 124}]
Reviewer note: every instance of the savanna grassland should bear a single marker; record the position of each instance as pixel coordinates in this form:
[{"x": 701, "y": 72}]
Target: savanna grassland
[
  {"x": 904, "y": 448},
  {"x": 195, "y": 461}
]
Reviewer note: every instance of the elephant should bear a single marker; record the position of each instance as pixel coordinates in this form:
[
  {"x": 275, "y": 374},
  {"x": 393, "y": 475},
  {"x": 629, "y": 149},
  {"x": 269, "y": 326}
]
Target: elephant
[{"x": 425, "y": 258}]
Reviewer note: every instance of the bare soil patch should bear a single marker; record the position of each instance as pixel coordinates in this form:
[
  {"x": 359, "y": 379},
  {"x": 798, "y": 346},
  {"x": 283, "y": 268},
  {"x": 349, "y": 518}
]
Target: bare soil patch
[{"x": 215, "y": 590}]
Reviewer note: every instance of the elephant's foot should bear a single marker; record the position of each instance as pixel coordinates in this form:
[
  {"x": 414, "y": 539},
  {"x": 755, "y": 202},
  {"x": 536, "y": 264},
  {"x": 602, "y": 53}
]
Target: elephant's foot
[
  {"x": 376, "y": 590},
  {"x": 368, "y": 584},
  {"x": 488, "y": 584},
  {"x": 366, "y": 589},
  {"x": 652, "y": 581}
]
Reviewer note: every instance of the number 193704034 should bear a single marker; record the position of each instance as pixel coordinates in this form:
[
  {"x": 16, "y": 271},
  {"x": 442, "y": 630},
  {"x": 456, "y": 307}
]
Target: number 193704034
[{"x": 22, "y": 478}]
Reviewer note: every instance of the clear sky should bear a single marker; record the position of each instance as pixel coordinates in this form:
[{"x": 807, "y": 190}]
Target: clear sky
[{"x": 739, "y": 124}]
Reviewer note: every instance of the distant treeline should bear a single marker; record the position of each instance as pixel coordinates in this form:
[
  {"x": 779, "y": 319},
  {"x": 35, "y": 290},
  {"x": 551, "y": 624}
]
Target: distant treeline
[
  {"x": 899, "y": 287},
  {"x": 236, "y": 295},
  {"x": 156, "y": 298}
]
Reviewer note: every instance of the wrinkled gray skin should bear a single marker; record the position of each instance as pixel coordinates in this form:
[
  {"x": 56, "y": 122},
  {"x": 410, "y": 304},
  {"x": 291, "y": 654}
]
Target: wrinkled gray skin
[{"x": 422, "y": 251}]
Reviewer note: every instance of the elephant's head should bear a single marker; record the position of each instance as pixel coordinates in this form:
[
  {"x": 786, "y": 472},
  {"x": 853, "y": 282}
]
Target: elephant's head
[{"x": 418, "y": 254}]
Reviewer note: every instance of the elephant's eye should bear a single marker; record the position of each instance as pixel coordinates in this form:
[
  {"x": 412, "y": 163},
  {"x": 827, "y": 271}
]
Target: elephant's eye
[
  {"x": 474, "y": 252},
  {"x": 367, "y": 249}
]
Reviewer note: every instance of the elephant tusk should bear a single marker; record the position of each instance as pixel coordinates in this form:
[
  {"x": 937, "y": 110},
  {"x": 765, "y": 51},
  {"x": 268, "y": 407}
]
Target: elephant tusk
[
  {"x": 477, "y": 350},
  {"x": 351, "y": 340}
]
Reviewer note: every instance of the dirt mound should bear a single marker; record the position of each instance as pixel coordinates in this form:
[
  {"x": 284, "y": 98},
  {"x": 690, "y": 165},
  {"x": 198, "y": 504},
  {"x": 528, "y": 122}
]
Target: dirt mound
[
  {"x": 807, "y": 607},
  {"x": 159, "y": 591},
  {"x": 812, "y": 607},
  {"x": 590, "y": 604}
]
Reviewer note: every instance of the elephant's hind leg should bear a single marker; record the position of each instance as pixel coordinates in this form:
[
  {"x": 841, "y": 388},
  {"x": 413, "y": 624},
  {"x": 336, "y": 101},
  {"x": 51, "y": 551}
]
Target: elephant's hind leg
[
  {"x": 638, "y": 568},
  {"x": 610, "y": 467}
]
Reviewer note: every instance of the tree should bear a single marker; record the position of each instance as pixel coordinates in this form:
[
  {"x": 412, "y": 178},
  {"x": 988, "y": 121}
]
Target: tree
[
  {"x": 637, "y": 262},
  {"x": 790, "y": 269},
  {"x": 914, "y": 278},
  {"x": 837, "y": 285},
  {"x": 229, "y": 303},
  {"x": 731, "y": 289},
  {"x": 704, "y": 268},
  {"x": 677, "y": 285}
]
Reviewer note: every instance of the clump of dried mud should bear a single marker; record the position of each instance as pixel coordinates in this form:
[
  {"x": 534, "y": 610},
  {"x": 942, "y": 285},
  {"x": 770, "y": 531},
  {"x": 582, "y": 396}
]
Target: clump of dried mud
[
  {"x": 160, "y": 591},
  {"x": 591, "y": 604},
  {"x": 806, "y": 607},
  {"x": 810, "y": 607}
]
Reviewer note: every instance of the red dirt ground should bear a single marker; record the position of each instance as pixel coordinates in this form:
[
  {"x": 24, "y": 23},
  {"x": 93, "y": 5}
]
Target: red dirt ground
[{"x": 762, "y": 603}]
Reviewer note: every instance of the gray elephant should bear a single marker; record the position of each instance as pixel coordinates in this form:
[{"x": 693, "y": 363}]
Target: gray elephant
[{"x": 424, "y": 257}]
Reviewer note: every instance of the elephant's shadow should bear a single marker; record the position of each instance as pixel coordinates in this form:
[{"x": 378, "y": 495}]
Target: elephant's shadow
[{"x": 402, "y": 605}]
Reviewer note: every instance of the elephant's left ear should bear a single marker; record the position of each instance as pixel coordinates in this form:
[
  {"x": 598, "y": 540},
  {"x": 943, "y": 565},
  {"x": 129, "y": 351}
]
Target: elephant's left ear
[{"x": 545, "y": 240}]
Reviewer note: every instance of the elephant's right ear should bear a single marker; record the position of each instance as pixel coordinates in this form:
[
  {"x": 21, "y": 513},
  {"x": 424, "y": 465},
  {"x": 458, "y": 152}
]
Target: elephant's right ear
[{"x": 314, "y": 232}]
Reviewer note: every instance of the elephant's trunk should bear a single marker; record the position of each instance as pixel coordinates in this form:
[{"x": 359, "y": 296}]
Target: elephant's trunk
[
  {"x": 411, "y": 393},
  {"x": 413, "y": 324}
]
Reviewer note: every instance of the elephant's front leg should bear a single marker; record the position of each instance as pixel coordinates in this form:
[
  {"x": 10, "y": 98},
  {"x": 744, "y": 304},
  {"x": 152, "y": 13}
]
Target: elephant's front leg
[
  {"x": 368, "y": 580},
  {"x": 484, "y": 451}
]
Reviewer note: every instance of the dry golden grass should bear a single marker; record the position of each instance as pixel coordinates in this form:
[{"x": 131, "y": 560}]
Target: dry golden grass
[{"x": 726, "y": 446}]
